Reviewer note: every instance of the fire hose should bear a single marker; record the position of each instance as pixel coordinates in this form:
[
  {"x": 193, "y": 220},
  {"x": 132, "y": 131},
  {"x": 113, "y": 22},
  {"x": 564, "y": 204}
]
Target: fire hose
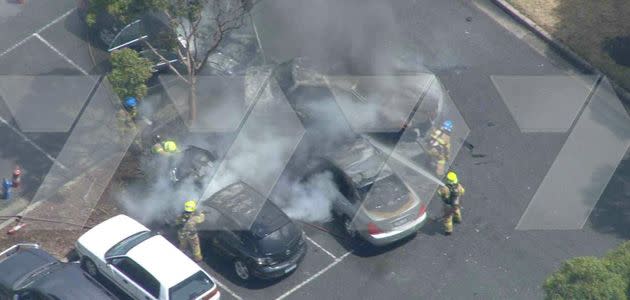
[
  {"x": 321, "y": 228},
  {"x": 19, "y": 224}
]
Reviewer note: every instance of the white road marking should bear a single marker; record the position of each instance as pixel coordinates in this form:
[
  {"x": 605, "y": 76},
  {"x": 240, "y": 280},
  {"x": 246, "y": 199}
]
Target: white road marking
[
  {"x": 305, "y": 282},
  {"x": 221, "y": 285},
  {"x": 60, "y": 54},
  {"x": 56, "y": 20},
  {"x": 18, "y": 44},
  {"x": 320, "y": 247},
  {"x": 25, "y": 138}
]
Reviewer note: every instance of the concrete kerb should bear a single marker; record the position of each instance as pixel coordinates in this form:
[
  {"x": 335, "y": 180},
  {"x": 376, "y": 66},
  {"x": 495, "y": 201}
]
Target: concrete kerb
[{"x": 558, "y": 46}]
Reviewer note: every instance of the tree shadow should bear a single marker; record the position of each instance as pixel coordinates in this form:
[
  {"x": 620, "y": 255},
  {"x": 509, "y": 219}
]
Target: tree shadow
[
  {"x": 598, "y": 31},
  {"x": 611, "y": 214}
]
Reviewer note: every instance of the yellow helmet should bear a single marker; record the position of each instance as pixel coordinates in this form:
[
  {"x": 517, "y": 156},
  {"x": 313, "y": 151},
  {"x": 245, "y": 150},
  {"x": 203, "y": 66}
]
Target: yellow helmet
[
  {"x": 190, "y": 206},
  {"x": 170, "y": 146},
  {"x": 451, "y": 177}
]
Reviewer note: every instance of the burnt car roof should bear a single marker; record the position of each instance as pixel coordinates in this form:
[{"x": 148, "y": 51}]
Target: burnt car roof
[
  {"x": 25, "y": 261},
  {"x": 68, "y": 281},
  {"x": 193, "y": 159},
  {"x": 248, "y": 208},
  {"x": 361, "y": 161}
]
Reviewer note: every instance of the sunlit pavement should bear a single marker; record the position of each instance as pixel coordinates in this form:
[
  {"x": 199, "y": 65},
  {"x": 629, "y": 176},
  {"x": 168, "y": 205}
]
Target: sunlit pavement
[{"x": 486, "y": 257}]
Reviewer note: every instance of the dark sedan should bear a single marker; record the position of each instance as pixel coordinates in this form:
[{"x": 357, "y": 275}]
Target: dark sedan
[
  {"x": 259, "y": 239},
  {"x": 28, "y": 272}
]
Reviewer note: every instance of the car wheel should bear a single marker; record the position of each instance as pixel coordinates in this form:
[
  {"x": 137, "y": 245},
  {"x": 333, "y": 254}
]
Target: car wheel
[
  {"x": 89, "y": 267},
  {"x": 351, "y": 231},
  {"x": 241, "y": 269}
]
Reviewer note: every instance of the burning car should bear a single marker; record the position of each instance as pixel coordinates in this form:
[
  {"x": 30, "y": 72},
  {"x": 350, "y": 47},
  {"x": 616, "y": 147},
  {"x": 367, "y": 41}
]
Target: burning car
[
  {"x": 195, "y": 164},
  {"x": 374, "y": 203}
]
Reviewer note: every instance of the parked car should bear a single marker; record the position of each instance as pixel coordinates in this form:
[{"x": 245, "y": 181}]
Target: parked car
[
  {"x": 252, "y": 232},
  {"x": 373, "y": 203},
  {"x": 151, "y": 26},
  {"x": 142, "y": 263},
  {"x": 28, "y": 272}
]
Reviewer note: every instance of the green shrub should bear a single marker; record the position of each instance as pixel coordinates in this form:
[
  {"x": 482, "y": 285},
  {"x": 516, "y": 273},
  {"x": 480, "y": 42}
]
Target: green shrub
[
  {"x": 585, "y": 278},
  {"x": 129, "y": 74}
]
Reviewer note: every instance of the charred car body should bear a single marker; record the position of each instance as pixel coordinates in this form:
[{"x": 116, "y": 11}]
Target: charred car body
[
  {"x": 373, "y": 202},
  {"x": 258, "y": 238},
  {"x": 195, "y": 164}
]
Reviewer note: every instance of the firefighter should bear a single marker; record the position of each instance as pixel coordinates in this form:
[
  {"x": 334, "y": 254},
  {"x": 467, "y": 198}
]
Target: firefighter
[
  {"x": 187, "y": 229},
  {"x": 163, "y": 147},
  {"x": 439, "y": 149},
  {"x": 450, "y": 194},
  {"x": 131, "y": 107}
]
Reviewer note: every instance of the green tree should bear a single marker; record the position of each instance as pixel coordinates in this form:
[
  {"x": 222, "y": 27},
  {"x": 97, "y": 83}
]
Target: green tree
[
  {"x": 585, "y": 278},
  {"x": 618, "y": 261},
  {"x": 200, "y": 25},
  {"x": 129, "y": 74},
  {"x": 124, "y": 11}
]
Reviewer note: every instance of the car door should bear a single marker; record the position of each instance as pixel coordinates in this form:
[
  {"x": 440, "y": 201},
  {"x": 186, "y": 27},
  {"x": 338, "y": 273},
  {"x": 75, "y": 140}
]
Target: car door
[
  {"x": 228, "y": 238},
  {"x": 134, "y": 279}
]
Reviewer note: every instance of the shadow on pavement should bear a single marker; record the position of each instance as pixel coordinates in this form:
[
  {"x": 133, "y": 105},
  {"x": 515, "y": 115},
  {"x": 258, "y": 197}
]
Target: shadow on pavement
[
  {"x": 611, "y": 215},
  {"x": 595, "y": 30}
]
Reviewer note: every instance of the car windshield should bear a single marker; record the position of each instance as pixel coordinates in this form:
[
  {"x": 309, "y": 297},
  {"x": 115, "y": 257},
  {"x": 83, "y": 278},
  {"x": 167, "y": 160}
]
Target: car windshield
[
  {"x": 39, "y": 273},
  {"x": 269, "y": 220},
  {"x": 192, "y": 287},
  {"x": 278, "y": 240},
  {"x": 125, "y": 245},
  {"x": 362, "y": 162}
]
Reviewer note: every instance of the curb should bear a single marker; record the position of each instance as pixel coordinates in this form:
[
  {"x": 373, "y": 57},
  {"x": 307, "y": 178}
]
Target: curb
[{"x": 559, "y": 46}]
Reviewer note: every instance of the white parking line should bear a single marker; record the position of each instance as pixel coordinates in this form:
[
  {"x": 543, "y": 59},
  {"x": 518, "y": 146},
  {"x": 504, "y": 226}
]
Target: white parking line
[
  {"x": 320, "y": 247},
  {"x": 56, "y": 20},
  {"x": 221, "y": 285},
  {"x": 305, "y": 282},
  {"x": 18, "y": 44},
  {"x": 60, "y": 54}
]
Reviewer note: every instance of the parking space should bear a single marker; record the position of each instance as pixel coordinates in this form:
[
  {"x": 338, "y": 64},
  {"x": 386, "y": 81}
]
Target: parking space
[
  {"x": 19, "y": 21},
  {"x": 314, "y": 262},
  {"x": 69, "y": 36}
]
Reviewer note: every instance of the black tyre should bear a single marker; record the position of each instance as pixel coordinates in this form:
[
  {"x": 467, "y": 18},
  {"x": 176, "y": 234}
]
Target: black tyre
[
  {"x": 241, "y": 269},
  {"x": 90, "y": 267}
]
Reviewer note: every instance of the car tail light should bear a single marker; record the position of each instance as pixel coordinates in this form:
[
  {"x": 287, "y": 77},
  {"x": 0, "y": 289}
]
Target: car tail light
[
  {"x": 422, "y": 210},
  {"x": 373, "y": 229},
  {"x": 211, "y": 294}
]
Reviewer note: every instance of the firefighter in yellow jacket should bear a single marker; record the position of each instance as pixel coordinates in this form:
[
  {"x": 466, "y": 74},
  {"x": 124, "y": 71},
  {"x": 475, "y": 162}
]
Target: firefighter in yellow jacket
[
  {"x": 187, "y": 229},
  {"x": 450, "y": 194},
  {"x": 439, "y": 149}
]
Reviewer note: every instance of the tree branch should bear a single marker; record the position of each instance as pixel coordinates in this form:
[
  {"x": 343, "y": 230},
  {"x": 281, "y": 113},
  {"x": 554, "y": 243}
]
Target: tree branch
[{"x": 165, "y": 60}]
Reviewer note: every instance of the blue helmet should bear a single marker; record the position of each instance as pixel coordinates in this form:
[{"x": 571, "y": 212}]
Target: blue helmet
[
  {"x": 447, "y": 126},
  {"x": 130, "y": 103}
]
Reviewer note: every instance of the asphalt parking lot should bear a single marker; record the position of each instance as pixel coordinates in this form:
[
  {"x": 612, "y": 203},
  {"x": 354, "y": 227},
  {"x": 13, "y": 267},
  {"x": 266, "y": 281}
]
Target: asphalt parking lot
[{"x": 486, "y": 258}]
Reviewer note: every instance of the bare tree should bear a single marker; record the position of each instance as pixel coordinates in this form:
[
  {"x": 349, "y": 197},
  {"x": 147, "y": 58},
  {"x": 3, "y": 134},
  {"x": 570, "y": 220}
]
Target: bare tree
[{"x": 200, "y": 26}]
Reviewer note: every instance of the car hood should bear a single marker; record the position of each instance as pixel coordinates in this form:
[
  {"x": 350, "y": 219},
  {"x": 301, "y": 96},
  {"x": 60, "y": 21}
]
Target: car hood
[{"x": 107, "y": 234}]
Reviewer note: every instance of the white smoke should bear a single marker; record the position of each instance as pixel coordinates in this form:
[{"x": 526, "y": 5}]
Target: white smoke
[
  {"x": 155, "y": 198},
  {"x": 311, "y": 200}
]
